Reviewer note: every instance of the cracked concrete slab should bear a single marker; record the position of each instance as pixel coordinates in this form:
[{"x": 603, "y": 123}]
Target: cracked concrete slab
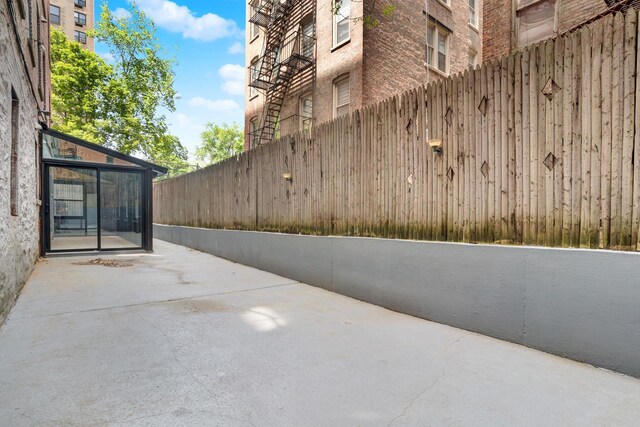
[{"x": 185, "y": 338}]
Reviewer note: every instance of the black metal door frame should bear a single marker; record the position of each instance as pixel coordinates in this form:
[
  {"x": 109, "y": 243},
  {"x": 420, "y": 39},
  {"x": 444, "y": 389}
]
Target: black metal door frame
[{"x": 46, "y": 209}]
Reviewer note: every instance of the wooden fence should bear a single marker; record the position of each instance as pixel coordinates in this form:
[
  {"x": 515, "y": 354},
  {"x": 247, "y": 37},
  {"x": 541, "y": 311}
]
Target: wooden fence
[{"x": 541, "y": 148}]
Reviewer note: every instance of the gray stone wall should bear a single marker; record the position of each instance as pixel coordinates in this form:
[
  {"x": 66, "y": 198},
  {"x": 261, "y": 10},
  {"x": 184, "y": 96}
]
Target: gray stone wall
[{"x": 18, "y": 234}]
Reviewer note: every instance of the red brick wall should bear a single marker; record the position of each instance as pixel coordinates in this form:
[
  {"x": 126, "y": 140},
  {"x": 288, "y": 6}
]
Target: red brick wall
[
  {"x": 394, "y": 52},
  {"x": 499, "y": 15},
  {"x": 497, "y": 28}
]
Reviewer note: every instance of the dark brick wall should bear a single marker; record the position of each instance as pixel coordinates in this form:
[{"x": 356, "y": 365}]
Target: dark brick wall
[
  {"x": 394, "y": 52},
  {"x": 499, "y": 26}
]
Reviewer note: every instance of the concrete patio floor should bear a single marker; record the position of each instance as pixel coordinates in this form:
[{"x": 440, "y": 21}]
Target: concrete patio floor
[{"x": 182, "y": 338}]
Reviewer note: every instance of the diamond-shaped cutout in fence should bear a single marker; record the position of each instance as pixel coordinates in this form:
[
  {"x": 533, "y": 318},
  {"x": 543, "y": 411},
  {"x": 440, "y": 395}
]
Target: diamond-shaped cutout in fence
[
  {"x": 484, "y": 169},
  {"x": 550, "y": 161},
  {"x": 550, "y": 88},
  {"x": 410, "y": 179},
  {"x": 448, "y": 115},
  {"x": 482, "y": 107},
  {"x": 450, "y": 173}
]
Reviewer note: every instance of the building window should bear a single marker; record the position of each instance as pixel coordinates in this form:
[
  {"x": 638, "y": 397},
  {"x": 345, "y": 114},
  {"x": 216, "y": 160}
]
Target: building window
[
  {"x": 54, "y": 14},
  {"x": 307, "y": 41},
  {"x": 341, "y": 96},
  {"x": 473, "y": 59},
  {"x": 254, "y": 73},
  {"x": 473, "y": 14},
  {"x": 15, "y": 111},
  {"x": 438, "y": 48},
  {"x": 80, "y": 37},
  {"x": 306, "y": 111},
  {"x": 80, "y": 3},
  {"x": 253, "y": 27},
  {"x": 253, "y": 133},
  {"x": 536, "y": 20},
  {"x": 80, "y": 19},
  {"x": 341, "y": 20}
]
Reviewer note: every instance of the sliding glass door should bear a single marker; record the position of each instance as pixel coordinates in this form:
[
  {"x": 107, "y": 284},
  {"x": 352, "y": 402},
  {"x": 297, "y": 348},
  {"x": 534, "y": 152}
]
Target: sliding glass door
[
  {"x": 93, "y": 209},
  {"x": 120, "y": 209},
  {"x": 72, "y": 208}
]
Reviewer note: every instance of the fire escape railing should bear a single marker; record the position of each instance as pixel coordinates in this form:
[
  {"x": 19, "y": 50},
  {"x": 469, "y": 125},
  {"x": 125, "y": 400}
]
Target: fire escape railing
[{"x": 284, "y": 54}]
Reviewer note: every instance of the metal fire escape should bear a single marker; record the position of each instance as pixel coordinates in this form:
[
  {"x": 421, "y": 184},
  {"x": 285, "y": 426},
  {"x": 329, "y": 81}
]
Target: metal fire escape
[{"x": 285, "y": 53}]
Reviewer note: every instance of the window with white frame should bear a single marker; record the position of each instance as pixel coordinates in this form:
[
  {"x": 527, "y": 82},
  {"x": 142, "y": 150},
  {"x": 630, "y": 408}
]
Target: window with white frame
[
  {"x": 306, "y": 111},
  {"x": 473, "y": 13},
  {"x": 253, "y": 133},
  {"x": 307, "y": 42},
  {"x": 535, "y": 20},
  {"x": 253, "y": 27},
  {"x": 341, "y": 21},
  {"x": 438, "y": 48},
  {"x": 341, "y": 96},
  {"x": 254, "y": 73},
  {"x": 473, "y": 59}
]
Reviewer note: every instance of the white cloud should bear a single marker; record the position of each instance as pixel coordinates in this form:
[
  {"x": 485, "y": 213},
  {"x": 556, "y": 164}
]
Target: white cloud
[
  {"x": 121, "y": 13},
  {"x": 180, "y": 19},
  {"x": 231, "y": 72},
  {"x": 235, "y": 48},
  {"x": 233, "y": 87},
  {"x": 214, "y": 105},
  {"x": 107, "y": 57},
  {"x": 233, "y": 76}
]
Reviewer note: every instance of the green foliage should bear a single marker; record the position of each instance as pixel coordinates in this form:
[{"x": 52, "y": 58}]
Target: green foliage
[
  {"x": 78, "y": 79},
  {"x": 142, "y": 86},
  {"x": 118, "y": 105},
  {"x": 220, "y": 142}
]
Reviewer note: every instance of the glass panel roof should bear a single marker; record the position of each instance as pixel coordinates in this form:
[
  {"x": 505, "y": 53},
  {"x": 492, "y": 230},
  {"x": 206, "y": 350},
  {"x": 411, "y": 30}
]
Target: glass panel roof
[{"x": 56, "y": 148}]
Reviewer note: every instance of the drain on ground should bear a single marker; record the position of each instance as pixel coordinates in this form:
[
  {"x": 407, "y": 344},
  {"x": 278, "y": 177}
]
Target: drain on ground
[{"x": 106, "y": 262}]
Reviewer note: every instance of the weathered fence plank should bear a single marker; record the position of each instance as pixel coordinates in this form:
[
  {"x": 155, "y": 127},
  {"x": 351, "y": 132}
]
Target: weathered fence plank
[{"x": 541, "y": 147}]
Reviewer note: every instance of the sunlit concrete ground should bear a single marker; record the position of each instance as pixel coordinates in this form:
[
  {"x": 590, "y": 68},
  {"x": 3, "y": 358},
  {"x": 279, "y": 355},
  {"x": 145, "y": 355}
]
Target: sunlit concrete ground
[{"x": 182, "y": 338}]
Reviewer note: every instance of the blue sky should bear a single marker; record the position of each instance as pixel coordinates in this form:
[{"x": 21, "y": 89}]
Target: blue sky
[{"x": 207, "y": 40}]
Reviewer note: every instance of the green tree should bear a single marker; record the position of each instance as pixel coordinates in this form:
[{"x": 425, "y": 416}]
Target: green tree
[
  {"x": 220, "y": 142},
  {"x": 78, "y": 80},
  {"x": 119, "y": 105},
  {"x": 141, "y": 87}
]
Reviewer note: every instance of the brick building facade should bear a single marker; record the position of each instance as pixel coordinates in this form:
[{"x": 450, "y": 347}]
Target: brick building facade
[
  {"x": 360, "y": 65},
  {"x": 511, "y": 24},
  {"x": 74, "y": 18},
  {"x": 24, "y": 102}
]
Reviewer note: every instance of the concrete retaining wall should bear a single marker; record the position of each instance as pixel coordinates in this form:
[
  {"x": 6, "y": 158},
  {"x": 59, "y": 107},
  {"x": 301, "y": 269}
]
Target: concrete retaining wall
[{"x": 580, "y": 304}]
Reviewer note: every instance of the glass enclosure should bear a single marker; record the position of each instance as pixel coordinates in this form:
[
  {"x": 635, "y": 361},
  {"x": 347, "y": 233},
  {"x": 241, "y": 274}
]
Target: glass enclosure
[
  {"x": 78, "y": 222},
  {"x": 94, "y": 198}
]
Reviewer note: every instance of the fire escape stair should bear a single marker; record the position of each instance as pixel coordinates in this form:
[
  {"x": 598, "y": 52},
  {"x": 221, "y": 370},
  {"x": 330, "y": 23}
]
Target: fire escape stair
[{"x": 281, "y": 60}]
